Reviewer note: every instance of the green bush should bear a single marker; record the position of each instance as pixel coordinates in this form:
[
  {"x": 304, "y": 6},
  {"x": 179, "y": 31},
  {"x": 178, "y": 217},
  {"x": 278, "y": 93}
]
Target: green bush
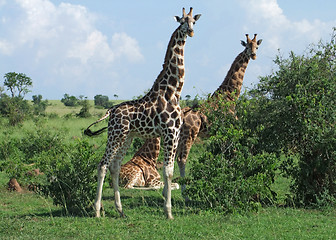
[
  {"x": 18, "y": 154},
  {"x": 71, "y": 177},
  {"x": 295, "y": 109},
  {"x": 229, "y": 176}
]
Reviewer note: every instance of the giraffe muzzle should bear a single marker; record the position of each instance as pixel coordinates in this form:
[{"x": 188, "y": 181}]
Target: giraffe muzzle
[{"x": 190, "y": 33}]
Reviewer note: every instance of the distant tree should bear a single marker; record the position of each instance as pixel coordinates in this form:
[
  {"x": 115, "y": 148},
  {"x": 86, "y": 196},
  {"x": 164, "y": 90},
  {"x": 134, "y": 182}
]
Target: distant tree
[
  {"x": 39, "y": 105},
  {"x": 17, "y": 83},
  {"x": 84, "y": 112},
  {"x": 70, "y": 100},
  {"x": 100, "y": 100},
  {"x": 115, "y": 96},
  {"x": 14, "y": 107}
]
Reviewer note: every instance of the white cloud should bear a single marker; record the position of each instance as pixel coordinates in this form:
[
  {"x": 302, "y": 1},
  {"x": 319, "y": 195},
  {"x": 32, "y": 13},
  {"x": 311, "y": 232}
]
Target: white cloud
[
  {"x": 279, "y": 31},
  {"x": 62, "y": 42},
  {"x": 125, "y": 45}
]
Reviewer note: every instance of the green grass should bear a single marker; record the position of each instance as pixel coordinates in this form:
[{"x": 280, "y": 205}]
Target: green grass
[{"x": 29, "y": 216}]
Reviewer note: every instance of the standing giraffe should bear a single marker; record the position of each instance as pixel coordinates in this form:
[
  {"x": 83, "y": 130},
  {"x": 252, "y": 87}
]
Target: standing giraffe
[
  {"x": 140, "y": 172},
  {"x": 156, "y": 114},
  {"x": 194, "y": 122}
]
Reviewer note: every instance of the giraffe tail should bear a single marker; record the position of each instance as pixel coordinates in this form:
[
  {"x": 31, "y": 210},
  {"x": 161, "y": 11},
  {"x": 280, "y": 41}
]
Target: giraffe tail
[{"x": 89, "y": 133}]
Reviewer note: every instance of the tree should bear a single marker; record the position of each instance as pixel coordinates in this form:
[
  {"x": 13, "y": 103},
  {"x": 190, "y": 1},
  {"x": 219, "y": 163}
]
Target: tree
[
  {"x": 17, "y": 83},
  {"x": 70, "y": 101},
  {"x": 14, "y": 107},
  {"x": 100, "y": 100},
  {"x": 84, "y": 112},
  {"x": 39, "y": 105}
]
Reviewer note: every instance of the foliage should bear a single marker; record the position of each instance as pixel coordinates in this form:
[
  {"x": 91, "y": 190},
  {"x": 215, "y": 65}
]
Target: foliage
[
  {"x": 70, "y": 101},
  {"x": 100, "y": 100},
  {"x": 39, "y": 105},
  {"x": 71, "y": 177},
  {"x": 229, "y": 176},
  {"x": 17, "y": 83},
  {"x": 18, "y": 154},
  {"x": 188, "y": 102},
  {"x": 84, "y": 112},
  {"x": 295, "y": 108},
  {"x": 16, "y": 109}
]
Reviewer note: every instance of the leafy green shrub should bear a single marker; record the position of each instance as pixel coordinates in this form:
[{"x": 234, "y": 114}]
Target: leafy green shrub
[
  {"x": 18, "y": 154},
  {"x": 16, "y": 109},
  {"x": 71, "y": 176},
  {"x": 229, "y": 176},
  {"x": 295, "y": 108}
]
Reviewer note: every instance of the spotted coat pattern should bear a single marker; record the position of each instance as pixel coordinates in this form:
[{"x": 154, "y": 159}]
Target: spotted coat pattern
[{"x": 157, "y": 114}]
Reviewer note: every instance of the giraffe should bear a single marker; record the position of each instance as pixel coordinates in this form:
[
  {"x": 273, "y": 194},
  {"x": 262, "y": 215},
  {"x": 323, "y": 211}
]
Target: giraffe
[
  {"x": 157, "y": 114},
  {"x": 195, "y": 122},
  {"x": 140, "y": 172}
]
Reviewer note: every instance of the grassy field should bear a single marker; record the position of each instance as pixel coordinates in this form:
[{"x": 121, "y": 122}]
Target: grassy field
[{"x": 29, "y": 216}]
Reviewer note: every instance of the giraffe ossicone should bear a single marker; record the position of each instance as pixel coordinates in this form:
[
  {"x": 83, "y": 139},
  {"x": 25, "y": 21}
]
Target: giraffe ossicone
[{"x": 157, "y": 114}]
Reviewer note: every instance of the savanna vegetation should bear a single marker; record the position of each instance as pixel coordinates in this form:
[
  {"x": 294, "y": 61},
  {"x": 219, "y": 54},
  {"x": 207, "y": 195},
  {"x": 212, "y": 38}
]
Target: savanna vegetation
[{"x": 269, "y": 174}]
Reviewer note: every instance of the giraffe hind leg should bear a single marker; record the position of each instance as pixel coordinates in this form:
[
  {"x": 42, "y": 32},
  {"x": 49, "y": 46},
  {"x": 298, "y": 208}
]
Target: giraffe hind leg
[{"x": 115, "y": 171}]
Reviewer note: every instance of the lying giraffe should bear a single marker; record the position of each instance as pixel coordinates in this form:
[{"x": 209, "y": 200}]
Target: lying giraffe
[
  {"x": 157, "y": 114},
  {"x": 194, "y": 122},
  {"x": 141, "y": 171}
]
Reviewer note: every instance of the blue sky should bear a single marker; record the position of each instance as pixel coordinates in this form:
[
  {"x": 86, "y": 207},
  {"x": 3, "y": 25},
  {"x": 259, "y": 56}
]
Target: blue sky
[{"x": 85, "y": 47}]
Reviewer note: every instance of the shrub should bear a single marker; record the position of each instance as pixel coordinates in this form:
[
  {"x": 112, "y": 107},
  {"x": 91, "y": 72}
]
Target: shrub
[
  {"x": 84, "y": 111},
  {"x": 296, "y": 109},
  {"x": 229, "y": 176},
  {"x": 71, "y": 177}
]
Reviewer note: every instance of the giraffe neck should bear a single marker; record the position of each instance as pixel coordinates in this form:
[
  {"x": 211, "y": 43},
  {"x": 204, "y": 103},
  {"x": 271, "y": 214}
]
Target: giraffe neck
[
  {"x": 170, "y": 81},
  {"x": 234, "y": 78},
  {"x": 149, "y": 151}
]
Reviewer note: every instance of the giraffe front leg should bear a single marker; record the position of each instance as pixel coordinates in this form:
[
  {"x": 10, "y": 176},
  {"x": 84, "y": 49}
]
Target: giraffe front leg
[
  {"x": 168, "y": 171},
  {"x": 101, "y": 175}
]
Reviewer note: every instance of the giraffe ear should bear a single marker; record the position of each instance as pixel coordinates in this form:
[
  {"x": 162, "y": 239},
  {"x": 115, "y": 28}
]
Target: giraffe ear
[
  {"x": 177, "y": 18},
  {"x": 243, "y": 43},
  {"x": 259, "y": 42},
  {"x": 196, "y": 17}
]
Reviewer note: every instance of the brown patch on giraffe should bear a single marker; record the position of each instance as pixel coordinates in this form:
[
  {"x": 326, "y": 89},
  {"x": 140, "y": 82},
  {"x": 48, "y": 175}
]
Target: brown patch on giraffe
[
  {"x": 164, "y": 117},
  {"x": 172, "y": 69},
  {"x": 172, "y": 81},
  {"x": 174, "y": 115},
  {"x": 174, "y": 60},
  {"x": 177, "y": 50},
  {"x": 181, "y": 72},
  {"x": 169, "y": 108}
]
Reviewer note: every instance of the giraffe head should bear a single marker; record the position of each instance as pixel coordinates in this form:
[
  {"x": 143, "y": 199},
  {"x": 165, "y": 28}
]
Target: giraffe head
[
  {"x": 251, "y": 46},
  {"x": 187, "y": 21}
]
